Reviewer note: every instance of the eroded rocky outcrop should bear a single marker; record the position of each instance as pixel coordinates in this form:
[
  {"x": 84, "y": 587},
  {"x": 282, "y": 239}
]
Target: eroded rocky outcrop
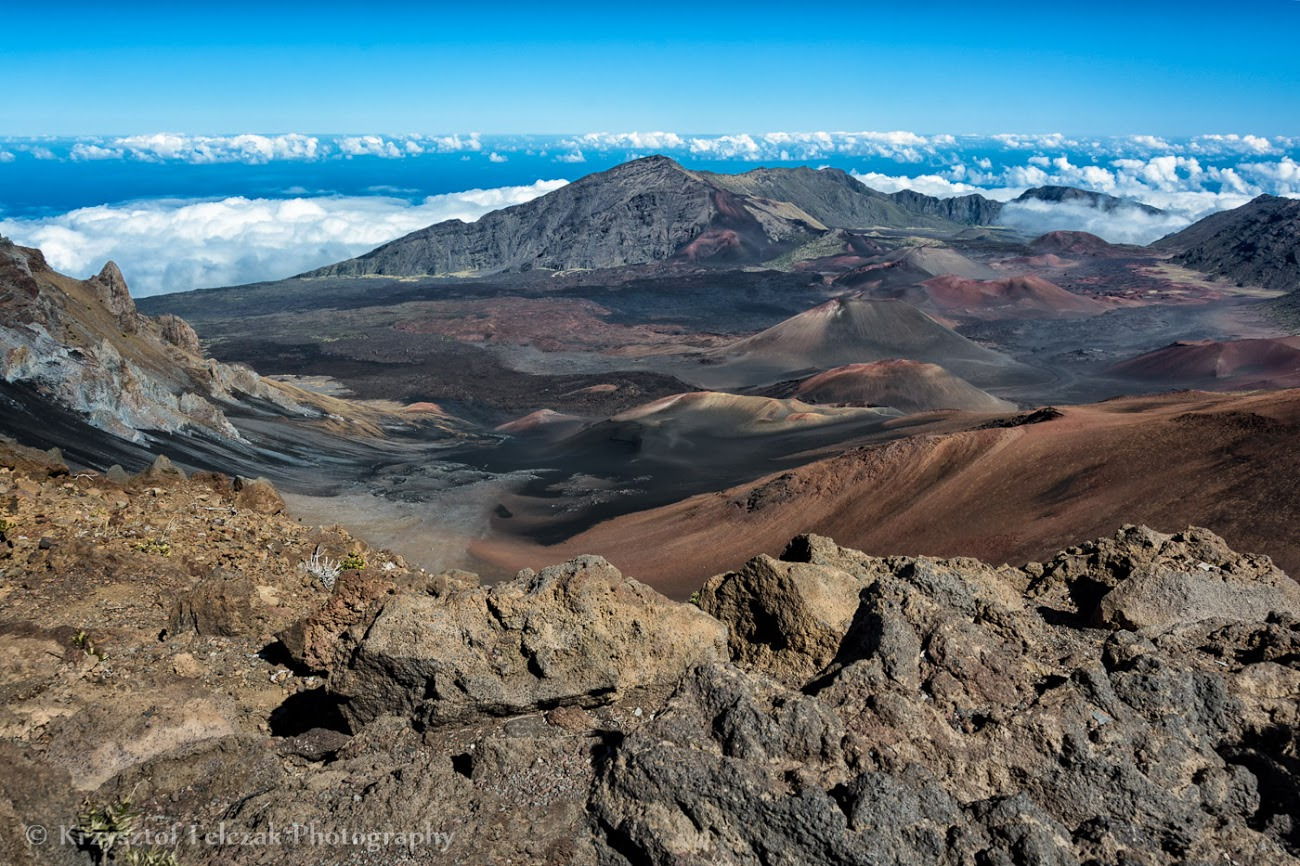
[
  {"x": 1131, "y": 700},
  {"x": 82, "y": 346}
]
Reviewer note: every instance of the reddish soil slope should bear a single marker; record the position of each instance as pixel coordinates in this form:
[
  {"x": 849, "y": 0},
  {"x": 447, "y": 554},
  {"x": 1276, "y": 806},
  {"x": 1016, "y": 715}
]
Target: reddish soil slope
[
  {"x": 1235, "y": 364},
  {"x": 1227, "y": 462},
  {"x": 909, "y": 386},
  {"x": 1008, "y": 298},
  {"x": 1075, "y": 244}
]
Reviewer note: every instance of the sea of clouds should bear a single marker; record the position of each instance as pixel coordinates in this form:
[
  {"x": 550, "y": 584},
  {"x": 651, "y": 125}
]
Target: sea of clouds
[
  {"x": 174, "y": 245},
  {"x": 180, "y": 243}
]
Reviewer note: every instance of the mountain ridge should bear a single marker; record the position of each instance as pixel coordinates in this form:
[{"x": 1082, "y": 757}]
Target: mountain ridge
[
  {"x": 1255, "y": 244},
  {"x": 653, "y": 209}
]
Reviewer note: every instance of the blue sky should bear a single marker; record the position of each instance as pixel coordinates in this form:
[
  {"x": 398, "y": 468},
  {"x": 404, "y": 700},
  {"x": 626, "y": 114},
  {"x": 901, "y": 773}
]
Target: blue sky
[{"x": 1100, "y": 68}]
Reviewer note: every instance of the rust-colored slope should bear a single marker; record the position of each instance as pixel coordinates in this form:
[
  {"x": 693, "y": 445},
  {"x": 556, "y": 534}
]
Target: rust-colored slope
[
  {"x": 1010, "y": 297},
  {"x": 1237, "y": 364},
  {"x": 1014, "y": 494},
  {"x": 909, "y": 386}
]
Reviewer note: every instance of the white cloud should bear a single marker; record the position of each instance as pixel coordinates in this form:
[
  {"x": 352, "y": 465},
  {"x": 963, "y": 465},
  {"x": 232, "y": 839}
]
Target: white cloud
[
  {"x": 1151, "y": 142},
  {"x": 372, "y": 145},
  {"x": 784, "y": 146},
  {"x": 202, "y": 149},
  {"x": 173, "y": 245},
  {"x": 1019, "y": 141},
  {"x": 1281, "y": 177},
  {"x": 451, "y": 143},
  {"x": 633, "y": 140},
  {"x": 6, "y": 156},
  {"x": 1247, "y": 144},
  {"x": 574, "y": 156},
  {"x": 403, "y": 146},
  {"x": 727, "y": 147},
  {"x": 930, "y": 184},
  {"x": 1123, "y": 225},
  {"x": 84, "y": 151},
  {"x": 497, "y": 157}
]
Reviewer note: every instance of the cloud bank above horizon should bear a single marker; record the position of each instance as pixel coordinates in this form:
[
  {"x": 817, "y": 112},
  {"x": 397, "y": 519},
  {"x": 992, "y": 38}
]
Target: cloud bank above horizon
[
  {"x": 309, "y": 216},
  {"x": 899, "y": 145},
  {"x": 174, "y": 245}
]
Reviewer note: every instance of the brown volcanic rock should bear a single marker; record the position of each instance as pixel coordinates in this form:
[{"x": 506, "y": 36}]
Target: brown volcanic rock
[
  {"x": 846, "y": 708},
  {"x": 1066, "y": 243},
  {"x": 1001, "y": 493},
  {"x": 1237, "y": 364},
  {"x": 909, "y": 386},
  {"x": 846, "y": 331},
  {"x": 961, "y": 719},
  {"x": 1006, "y": 298},
  {"x": 787, "y": 619}
]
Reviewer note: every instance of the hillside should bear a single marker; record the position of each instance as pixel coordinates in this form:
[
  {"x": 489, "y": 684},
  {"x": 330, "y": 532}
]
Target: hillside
[
  {"x": 646, "y": 210},
  {"x": 1004, "y": 299},
  {"x": 833, "y": 196},
  {"x": 1257, "y": 244},
  {"x": 83, "y": 371},
  {"x": 654, "y": 210},
  {"x": 973, "y": 209},
  {"x": 1219, "y": 364},
  {"x": 998, "y": 492},
  {"x": 858, "y": 330},
  {"x": 908, "y": 386},
  {"x": 1099, "y": 200},
  {"x": 909, "y": 265}
]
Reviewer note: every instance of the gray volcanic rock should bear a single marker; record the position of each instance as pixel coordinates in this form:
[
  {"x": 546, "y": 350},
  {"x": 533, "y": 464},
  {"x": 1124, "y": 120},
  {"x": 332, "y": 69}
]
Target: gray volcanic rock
[
  {"x": 1257, "y": 244},
  {"x": 652, "y": 209},
  {"x": 82, "y": 347},
  {"x": 973, "y": 209},
  {"x": 966, "y": 718},
  {"x": 825, "y": 707},
  {"x": 646, "y": 210},
  {"x": 1099, "y": 200},
  {"x": 575, "y": 634},
  {"x": 833, "y": 196}
]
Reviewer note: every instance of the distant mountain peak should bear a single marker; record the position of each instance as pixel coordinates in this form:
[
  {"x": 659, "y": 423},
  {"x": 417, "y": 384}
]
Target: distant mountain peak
[{"x": 1099, "y": 200}]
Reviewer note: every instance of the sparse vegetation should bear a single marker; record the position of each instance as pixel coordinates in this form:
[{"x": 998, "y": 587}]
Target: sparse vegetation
[
  {"x": 155, "y": 547},
  {"x": 322, "y": 568},
  {"x": 83, "y": 642},
  {"x": 695, "y": 598},
  {"x": 151, "y": 857},
  {"x": 106, "y": 831},
  {"x": 103, "y": 829},
  {"x": 353, "y": 561}
]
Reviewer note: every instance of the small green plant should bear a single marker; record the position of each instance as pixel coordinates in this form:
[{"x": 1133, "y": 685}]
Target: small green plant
[
  {"x": 155, "y": 547},
  {"x": 106, "y": 831},
  {"x": 695, "y": 598},
  {"x": 6, "y": 526},
  {"x": 353, "y": 561},
  {"x": 151, "y": 857},
  {"x": 102, "y": 829},
  {"x": 82, "y": 642}
]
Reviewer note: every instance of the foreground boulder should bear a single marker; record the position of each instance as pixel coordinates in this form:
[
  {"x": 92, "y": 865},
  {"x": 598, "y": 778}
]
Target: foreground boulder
[{"x": 578, "y": 633}]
